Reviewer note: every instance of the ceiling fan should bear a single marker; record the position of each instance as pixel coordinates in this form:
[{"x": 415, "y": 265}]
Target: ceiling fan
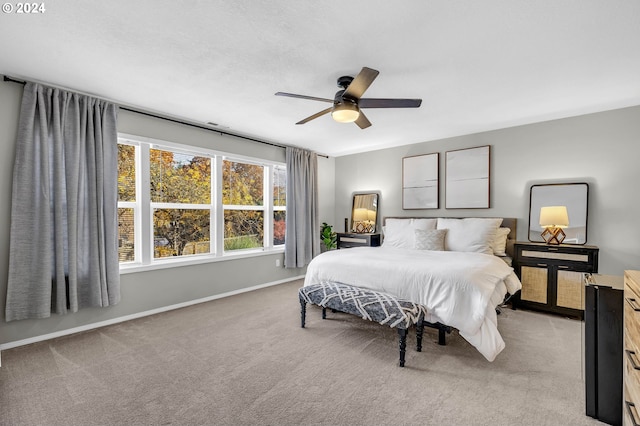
[{"x": 348, "y": 101}]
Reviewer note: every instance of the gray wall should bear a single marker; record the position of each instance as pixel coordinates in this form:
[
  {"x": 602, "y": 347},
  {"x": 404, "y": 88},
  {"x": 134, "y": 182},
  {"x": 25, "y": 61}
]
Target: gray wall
[
  {"x": 602, "y": 149},
  {"x": 141, "y": 291},
  {"x": 327, "y": 190}
]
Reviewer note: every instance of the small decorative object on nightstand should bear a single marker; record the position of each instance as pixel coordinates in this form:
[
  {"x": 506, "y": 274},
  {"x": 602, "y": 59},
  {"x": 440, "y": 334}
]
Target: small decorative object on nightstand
[
  {"x": 552, "y": 276},
  {"x": 354, "y": 239}
]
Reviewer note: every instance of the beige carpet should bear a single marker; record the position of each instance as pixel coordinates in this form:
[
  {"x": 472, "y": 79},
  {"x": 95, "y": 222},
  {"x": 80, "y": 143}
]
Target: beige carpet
[{"x": 245, "y": 360}]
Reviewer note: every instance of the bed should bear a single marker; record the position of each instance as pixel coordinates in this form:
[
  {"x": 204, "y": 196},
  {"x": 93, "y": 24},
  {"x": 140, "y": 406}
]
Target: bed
[{"x": 458, "y": 268}]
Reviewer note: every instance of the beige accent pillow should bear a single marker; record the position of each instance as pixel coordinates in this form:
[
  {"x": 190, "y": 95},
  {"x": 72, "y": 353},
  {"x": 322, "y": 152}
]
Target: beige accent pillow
[
  {"x": 430, "y": 240},
  {"x": 500, "y": 242}
]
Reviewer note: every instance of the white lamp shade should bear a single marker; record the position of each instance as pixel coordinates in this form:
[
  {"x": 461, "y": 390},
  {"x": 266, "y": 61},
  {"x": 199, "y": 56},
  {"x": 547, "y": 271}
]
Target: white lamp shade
[
  {"x": 360, "y": 215},
  {"x": 554, "y": 216},
  {"x": 371, "y": 215}
]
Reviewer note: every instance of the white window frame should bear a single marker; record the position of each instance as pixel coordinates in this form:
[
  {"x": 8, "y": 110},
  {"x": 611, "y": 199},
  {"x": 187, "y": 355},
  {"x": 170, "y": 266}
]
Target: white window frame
[
  {"x": 144, "y": 207},
  {"x": 135, "y": 205},
  {"x": 275, "y": 208}
]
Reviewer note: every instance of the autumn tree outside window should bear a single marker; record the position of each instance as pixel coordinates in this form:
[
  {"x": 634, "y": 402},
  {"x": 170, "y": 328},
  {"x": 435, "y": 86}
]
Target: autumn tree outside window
[{"x": 171, "y": 191}]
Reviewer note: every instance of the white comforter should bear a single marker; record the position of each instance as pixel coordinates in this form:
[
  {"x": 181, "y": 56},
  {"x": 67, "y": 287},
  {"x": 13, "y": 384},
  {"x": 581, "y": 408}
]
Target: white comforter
[{"x": 458, "y": 289}]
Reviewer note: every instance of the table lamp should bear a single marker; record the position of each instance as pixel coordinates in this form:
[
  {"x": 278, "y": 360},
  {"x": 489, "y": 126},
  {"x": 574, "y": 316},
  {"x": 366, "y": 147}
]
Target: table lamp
[
  {"x": 553, "y": 219},
  {"x": 360, "y": 217}
]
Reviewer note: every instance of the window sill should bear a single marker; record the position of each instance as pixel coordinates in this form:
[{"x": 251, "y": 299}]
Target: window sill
[{"x": 131, "y": 268}]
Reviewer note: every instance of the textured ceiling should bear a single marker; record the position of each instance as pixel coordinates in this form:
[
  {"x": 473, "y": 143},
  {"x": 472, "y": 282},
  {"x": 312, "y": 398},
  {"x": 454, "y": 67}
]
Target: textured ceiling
[{"x": 477, "y": 65}]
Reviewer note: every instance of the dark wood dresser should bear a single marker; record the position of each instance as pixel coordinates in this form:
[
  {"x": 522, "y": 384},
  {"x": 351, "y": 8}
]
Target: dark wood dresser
[{"x": 552, "y": 276}]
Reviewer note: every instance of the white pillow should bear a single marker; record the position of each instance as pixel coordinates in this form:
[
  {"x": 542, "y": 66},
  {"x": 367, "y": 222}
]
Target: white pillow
[
  {"x": 500, "y": 242},
  {"x": 432, "y": 239},
  {"x": 400, "y": 233},
  {"x": 470, "y": 235}
]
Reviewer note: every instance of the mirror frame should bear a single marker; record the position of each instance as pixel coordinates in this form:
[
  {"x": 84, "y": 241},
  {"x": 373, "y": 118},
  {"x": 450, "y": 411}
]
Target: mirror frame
[
  {"x": 534, "y": 214},
  {"x": 376, "y": 205}
]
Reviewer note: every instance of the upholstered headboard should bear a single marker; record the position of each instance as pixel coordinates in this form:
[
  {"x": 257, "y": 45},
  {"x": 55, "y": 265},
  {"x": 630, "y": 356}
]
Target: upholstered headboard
[
  {"x": 507, "y": 222},
  {"x": 510, "y": 222}
]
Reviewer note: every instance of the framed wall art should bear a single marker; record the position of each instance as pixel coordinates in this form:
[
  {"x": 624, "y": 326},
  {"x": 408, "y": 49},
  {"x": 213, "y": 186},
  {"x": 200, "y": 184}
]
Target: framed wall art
[
  {"x": 420, "y": 181},
  {"x": 467, "y": 178}
]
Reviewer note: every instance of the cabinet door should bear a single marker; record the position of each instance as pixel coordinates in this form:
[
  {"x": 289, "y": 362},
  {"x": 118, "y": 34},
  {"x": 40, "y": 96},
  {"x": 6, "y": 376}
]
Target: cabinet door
[
  {"x": 570, "y": 290},
  {"x": 534, "y": 284}
]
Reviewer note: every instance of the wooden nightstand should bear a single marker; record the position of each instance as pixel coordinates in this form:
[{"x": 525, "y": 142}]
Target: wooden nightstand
[
  {"x": 352, "y": 239},
  {"x": 552, "y": 276}
]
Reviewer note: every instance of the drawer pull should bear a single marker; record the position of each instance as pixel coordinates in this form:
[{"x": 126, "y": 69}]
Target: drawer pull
[
  {"x": 633, "y": 303},
  {"x": 631, "y": 409},
  {"x": 562, "y": 267},
  {"x": 543, "y": 265},
  {"x": 633, "y": 359}
]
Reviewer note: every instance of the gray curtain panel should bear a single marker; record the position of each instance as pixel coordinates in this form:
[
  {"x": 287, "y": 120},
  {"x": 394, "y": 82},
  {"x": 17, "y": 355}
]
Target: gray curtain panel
[
  {"x": 64, "y": 227},
  {"x": 302, "y": 235}
]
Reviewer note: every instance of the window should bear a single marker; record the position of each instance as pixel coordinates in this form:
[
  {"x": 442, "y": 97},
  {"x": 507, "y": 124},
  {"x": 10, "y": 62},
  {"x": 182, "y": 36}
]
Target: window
[
  {"x": 243, "y": 200},
  {"x": 180, "y": 186},
  {"x": 177, "y": 202}
]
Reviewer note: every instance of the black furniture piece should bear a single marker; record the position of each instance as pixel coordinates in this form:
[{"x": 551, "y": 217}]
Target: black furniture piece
[
  {"x": 603, "y": 340},
  {"x": 367, "y": 304},
  {"x": 552, "y": 276},
  {"x": 353, "y": 239},
  {"x": 443, "y": 330}
]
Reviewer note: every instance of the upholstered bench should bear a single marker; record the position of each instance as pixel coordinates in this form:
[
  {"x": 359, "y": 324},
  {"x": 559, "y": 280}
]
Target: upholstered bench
[{"x": 367, "y": 304}]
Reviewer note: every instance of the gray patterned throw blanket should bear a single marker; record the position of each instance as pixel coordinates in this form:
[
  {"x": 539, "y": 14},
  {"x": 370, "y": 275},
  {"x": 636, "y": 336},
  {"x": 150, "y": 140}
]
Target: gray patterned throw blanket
[{"x": 367, "y": 304}]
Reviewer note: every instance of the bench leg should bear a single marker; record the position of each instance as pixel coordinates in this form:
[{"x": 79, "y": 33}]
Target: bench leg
[
  {"x": 402, "y": 333},
  {"x": 442, "y": 341},
  {"x": 324, "y": 313},
  {"x": 419, "y": 332},
  {"x": 442, "y": 329},
  {"x": 303, "y": 312}
]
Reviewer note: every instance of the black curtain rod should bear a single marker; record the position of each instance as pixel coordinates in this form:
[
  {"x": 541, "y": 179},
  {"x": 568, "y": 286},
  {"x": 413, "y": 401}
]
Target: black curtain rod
[{"x": 175, "y": 120}]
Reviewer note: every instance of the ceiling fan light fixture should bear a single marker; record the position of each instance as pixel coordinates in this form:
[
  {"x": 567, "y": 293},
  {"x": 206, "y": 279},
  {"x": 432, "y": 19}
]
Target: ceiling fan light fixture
[
  {"x": 347, "y": 102},
  {"x": 345, "y": 112}
]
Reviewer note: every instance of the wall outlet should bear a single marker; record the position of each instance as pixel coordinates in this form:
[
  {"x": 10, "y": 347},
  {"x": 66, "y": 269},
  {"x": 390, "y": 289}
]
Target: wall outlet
[{"x": 277, "y": 262}]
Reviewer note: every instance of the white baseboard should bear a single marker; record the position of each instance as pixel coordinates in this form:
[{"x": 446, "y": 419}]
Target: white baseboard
[{"x": 94, "y": 325}]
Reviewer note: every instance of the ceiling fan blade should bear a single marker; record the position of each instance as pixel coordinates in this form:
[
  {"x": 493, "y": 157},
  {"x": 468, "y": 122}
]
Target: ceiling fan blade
[
  {"x": 311, "y": 98},
  {"x": 316, "y": 115},
  {"x": 389, "y": 103},
  {"x": 362, "y": 121},
  {"x": 361, "y": 83}
]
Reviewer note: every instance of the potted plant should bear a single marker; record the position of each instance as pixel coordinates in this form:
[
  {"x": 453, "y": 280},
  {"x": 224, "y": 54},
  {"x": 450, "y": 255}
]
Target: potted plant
[{"x": 329, "y": 238}]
